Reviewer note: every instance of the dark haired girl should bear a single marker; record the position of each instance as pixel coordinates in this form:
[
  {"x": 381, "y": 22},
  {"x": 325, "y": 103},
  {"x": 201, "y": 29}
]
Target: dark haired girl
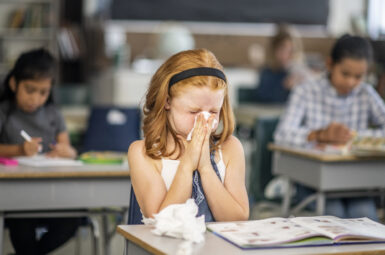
[
  {"x": 335, "y": 108},
  {"x": 26, "y": 104}
]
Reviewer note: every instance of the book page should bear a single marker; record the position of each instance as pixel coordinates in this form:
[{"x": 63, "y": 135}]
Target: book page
[
  {"x": 344, "y": 229},
  {"x": 267, "y": 232},
  {"x": 44, "y": 161},
  {"x": 368, "y": 146}
]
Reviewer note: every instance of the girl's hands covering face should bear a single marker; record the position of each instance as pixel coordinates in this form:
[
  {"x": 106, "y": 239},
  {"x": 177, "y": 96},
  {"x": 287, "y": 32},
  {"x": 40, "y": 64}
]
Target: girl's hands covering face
[
  {"x": 193, "y": 148},
  {"x": 204, "y": 161}
]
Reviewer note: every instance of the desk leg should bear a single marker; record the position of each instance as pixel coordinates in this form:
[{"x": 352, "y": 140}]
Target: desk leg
[
  {"x": 125, "y": 247},
  {"x": 287, "y": 199},
  {"x": 105, "y": 239},
  {"x": 320, "y": 203},
  {"x": 133, "y": 248},
  {"x": 1, "y": 232}
]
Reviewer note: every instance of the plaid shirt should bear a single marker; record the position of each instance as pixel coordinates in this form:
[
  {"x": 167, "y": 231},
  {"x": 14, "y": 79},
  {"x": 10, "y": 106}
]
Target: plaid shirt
[{"x": 314, "y": 106}]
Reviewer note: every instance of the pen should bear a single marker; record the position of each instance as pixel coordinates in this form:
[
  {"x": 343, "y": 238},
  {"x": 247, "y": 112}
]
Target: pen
[
  {"x": 28, "y": 138},
  {"x": 25, "y": 136}
]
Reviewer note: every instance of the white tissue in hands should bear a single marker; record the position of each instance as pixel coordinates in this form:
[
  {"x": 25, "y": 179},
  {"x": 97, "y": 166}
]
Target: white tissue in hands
[
  {"x": 179, "y": 221},
  {"x": 206, "y": 115}
]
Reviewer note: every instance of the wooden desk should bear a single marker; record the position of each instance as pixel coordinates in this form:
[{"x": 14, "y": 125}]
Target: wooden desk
[
  {"x": 330, "y": 174},
  {"x": 25, "y": 189},
  {"x": 142, "y": 241}
]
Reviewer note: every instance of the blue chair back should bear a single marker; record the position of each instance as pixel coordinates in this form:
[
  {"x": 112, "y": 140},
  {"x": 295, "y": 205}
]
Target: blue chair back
[
  {"x": 111, "y": 129},
  {"x": 134, "y": 214}
]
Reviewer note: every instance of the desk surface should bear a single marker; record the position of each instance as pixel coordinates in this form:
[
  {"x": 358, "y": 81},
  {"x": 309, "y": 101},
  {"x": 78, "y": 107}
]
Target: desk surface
[
  {"x": 21, "y": 172},
  {"x": 141, "y": 236},
  {"x": 320, "y": 155}
]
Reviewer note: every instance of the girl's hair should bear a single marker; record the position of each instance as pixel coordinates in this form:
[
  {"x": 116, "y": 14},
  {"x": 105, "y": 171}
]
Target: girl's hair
[
  {"x": 284, "y": 33},
  {"x": 155, "y": 123},
  {"x": 32, "y": 65},
  {"x": 355, "y": 47}
]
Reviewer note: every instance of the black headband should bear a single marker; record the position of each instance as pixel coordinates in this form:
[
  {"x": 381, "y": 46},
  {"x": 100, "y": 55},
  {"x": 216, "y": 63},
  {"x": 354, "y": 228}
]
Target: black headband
[{"x": 200, "y": 71}]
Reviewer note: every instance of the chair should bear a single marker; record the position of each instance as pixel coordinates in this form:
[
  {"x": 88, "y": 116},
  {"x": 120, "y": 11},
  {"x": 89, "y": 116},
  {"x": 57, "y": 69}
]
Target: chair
[
  {"x": 246, "y": 95},
  {"x": 261, "y": 159},
  {"x": 134, "y": 213},
  {"x": 111, "y": 128}
]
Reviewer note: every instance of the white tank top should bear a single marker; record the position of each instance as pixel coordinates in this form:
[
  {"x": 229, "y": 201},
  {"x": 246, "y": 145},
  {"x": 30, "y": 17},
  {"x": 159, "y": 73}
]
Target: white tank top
[{"x": 170, "y": 166}]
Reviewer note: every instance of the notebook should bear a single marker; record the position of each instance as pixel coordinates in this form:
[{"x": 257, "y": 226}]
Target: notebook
[
  {"x": 44, "y": 161},
  {"x": 298, "y": 232}
]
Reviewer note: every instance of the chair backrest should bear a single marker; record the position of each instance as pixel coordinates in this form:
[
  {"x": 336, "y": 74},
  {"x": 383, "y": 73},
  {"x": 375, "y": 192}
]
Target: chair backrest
[
  {"x": 246, "y": 95},
  {"x": 260, "y": 173},
  {"x": 134, "y": 213},
  {"x": 111, "y": 128}
]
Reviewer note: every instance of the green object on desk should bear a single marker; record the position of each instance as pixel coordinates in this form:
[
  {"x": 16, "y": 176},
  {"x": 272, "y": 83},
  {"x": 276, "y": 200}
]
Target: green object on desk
[{"x": 103, "y": 158}]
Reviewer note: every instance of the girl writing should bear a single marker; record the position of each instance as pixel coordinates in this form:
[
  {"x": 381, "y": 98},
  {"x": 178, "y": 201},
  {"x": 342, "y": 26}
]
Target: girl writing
[{"x": 26, "y": 103}]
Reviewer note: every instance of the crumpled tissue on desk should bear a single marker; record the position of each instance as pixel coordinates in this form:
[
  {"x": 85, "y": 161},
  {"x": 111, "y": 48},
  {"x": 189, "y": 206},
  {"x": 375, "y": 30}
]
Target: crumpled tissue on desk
[{"x": 179, "y": 221}]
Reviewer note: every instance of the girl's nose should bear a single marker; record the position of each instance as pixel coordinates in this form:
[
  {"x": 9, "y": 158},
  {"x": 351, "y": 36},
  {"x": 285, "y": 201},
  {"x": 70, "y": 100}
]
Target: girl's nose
[
  {"x": 35, "y": 98},
  {"x": 351, "y": 82}
]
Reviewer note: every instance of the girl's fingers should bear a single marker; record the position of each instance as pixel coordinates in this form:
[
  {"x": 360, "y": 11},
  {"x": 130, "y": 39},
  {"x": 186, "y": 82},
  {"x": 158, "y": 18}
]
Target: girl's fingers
[
  {"x": 203, "y": 128},
  {"x": 211, "y": 123},
  {"x": 37, "y": 139},
  {"x": 199, "y": 125}
]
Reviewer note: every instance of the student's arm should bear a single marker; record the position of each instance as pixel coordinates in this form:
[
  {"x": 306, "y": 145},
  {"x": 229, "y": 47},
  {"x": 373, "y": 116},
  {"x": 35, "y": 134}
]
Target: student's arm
[
  {"x": 15, "y": 150},
  {"x": 377, "y": 115},
  {"x": 290, "y": 130},
  {"x": 26, "y": 149},
  {"x": 150, "y": 189},
  {"x": 335, "y": 133},
  {"x": 11, "y": 150},
  {"x": 227, "y": 201},
  {"x": 63, "y": 147}
]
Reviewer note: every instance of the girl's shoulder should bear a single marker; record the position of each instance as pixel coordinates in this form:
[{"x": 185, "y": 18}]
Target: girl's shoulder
[
  {"x": 137, "y": 148},
  {"x": 5, "y": 109},
  {"x": 137, "y": 153},
  {"x": 231, "y": 146}
]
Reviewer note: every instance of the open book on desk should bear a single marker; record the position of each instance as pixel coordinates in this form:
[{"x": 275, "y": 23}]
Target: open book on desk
[
  {"x": 300, "y": 231},
  {"x": 359, "y": 146},
  {"x": 44, "y": 161}
]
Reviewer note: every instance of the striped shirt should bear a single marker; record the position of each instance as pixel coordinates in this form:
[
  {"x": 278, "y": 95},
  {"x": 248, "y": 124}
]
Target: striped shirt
[{"x": 314, "y": 106}]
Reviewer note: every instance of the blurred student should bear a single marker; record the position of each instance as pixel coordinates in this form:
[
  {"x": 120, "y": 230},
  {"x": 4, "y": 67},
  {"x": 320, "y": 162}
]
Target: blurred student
[
  {"x": 26, "y": 103},
  {"x": 284, "y": 67},
  {"x": 335, "y": 107}
]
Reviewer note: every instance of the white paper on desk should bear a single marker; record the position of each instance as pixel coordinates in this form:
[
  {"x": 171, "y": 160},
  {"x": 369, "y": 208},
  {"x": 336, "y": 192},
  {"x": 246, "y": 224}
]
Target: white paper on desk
[
  {"x": 44, "y": 161},
  {"x": 179, "y": 221}
]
